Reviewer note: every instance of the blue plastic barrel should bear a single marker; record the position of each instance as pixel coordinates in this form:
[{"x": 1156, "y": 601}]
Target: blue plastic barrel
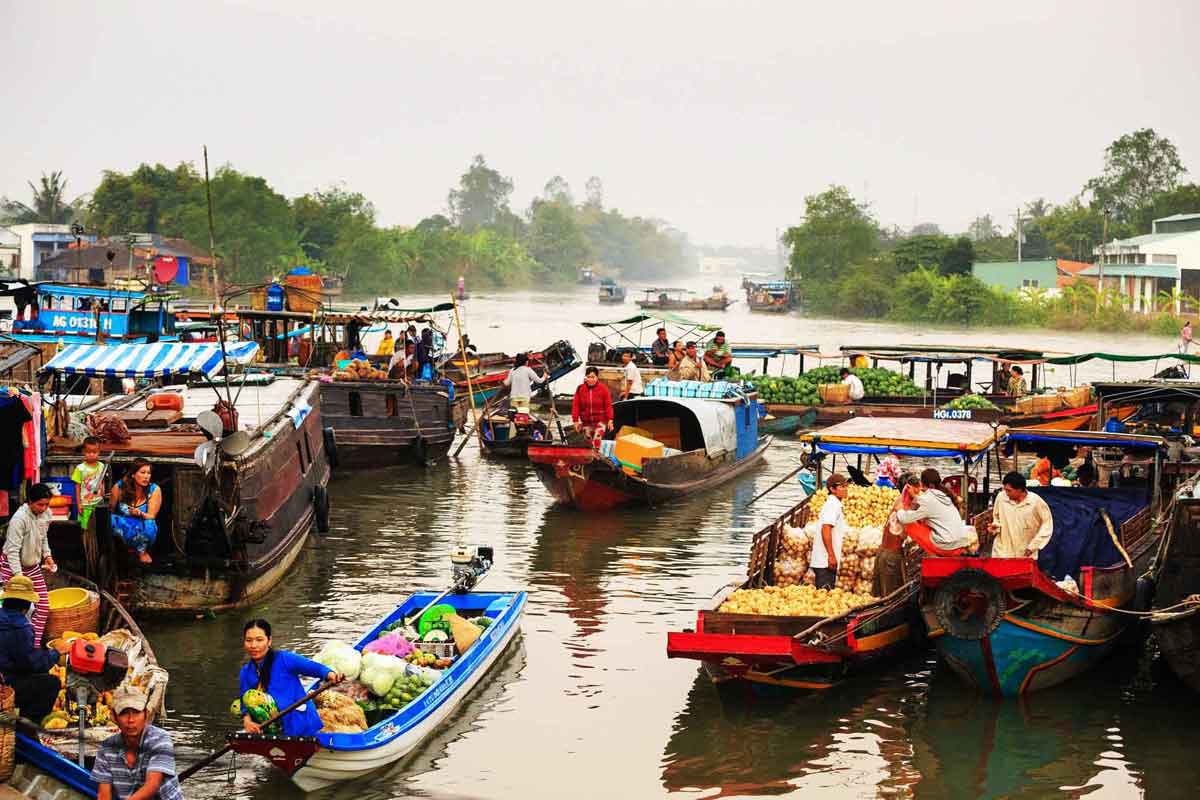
[{"x": 274, "y": 297}]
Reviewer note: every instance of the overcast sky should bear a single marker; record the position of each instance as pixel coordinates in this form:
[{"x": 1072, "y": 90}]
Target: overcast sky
[{"x": 717, "y": 117}]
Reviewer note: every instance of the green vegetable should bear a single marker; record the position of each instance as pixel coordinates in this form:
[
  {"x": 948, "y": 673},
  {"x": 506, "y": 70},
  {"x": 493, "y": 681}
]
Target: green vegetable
[{"x": 972, "y": 402}]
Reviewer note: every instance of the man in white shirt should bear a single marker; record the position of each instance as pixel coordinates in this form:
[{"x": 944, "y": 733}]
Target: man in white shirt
[
  {"x": 856, "y": 385},
  {"x": 1022, "y": 522},
  {"x": 632, "y": 379},
  {"x": 519, "y": 382},
  {"x": 827, "y": 546}
]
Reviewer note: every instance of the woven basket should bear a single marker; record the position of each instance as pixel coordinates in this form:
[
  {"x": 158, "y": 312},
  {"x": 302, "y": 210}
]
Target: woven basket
[
  {"x": 833, "y": 393},
  {"x": 8, "y": 735},
  {"x": 1045, "y": 403},
  {"x": 83, "y": 618}
]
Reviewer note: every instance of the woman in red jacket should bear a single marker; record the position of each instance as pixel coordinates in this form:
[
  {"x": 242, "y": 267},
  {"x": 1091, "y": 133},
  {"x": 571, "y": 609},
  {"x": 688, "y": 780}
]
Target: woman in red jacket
[{"x": 592, "y": 405}]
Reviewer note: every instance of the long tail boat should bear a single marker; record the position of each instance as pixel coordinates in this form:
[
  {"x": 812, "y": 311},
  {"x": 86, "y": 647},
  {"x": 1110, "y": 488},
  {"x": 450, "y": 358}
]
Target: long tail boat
[
  {"x": 489, "y": 371},
  {"x": 809, "y": 652},
  {"x": 1008, "y": 626},
  {"x": 236, "y": 509},
  {"x": 707, "y": 442}
]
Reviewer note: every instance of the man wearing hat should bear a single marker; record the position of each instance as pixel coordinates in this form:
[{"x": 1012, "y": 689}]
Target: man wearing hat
[
  {"x": 23, "y": 666},
  {"x": 827, "y": 546},
  {"x": 138, "y": 762}
]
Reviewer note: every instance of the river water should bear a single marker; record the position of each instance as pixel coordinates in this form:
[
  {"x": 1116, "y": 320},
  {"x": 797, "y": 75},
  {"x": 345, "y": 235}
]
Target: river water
[{"x": 586, "y": 704}]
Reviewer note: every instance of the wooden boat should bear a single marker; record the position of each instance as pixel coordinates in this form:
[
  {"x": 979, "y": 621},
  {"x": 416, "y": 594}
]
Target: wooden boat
[
  {"x": 810, "y": 652},
  {"x": 234, "y": 515},
  {"x": 556, "y": 360},
  {"x": 370, "y": 422},
  {"x": 1176, "y": 621},
  {"x": 772, "y": 297},
  {"x": 795, "y": 652},
  {"x": 510, "y": 436},
  {"x": 677, "y": 300},
  {"x": 1006, "y": 627},
  {"x": 711, "y": 442},
  {"x": 47, "y": 762},
  {"x": 610, "y": 292},
  {"x": 316, "y": 762}
]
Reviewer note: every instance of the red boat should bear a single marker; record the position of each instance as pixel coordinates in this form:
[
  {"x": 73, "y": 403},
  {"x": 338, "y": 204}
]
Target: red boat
[
  {"x": 708, "y": 442},
  {"x": 795, "y": 652}
]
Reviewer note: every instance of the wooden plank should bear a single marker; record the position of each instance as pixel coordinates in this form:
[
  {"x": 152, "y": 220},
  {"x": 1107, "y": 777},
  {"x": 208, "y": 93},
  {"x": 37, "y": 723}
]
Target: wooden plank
[
  {"x": 158, "y": 418},
  {"x": 905, "y": 432}
]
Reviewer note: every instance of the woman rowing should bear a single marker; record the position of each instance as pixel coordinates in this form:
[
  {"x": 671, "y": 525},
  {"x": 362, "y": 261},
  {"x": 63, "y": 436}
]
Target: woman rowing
[{"x": 278, "y": 673}]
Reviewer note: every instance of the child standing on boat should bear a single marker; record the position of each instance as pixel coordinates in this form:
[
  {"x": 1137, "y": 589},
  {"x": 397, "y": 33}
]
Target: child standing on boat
[{"x": 88, "y": 477}]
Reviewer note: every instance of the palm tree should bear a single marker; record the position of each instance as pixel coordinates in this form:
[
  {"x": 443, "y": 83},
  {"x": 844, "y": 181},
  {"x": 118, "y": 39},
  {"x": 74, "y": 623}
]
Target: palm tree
[{"x": 48, "y": 206}]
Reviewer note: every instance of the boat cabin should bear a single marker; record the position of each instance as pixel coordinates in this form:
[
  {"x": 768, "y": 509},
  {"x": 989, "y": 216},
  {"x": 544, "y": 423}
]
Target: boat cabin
[{"x": 48, "y": 312}]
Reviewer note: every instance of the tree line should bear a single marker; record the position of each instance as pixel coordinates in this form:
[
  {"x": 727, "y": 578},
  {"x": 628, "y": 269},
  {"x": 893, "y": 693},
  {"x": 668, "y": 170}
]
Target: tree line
[
  {"x": 849, "y": 265},
  {"x": 261, "y": 233}
]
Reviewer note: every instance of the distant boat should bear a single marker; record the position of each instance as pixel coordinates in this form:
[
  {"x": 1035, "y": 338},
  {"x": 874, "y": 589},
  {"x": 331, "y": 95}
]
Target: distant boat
[
  {"x": 677, "y": 300},
  {"x": 610, "y": 292},
  {"x": 776, "y": 297},
  {"x": 586, "y": 276}
]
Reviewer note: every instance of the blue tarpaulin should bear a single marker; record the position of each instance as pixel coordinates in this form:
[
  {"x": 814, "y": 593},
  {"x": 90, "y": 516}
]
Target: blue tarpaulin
[
  {"x": 148, "y": 360},
  {"x": 879, "y": 450},
  {"x": 1081, "y": 537},
  {"x": 1097, "y": 440}
]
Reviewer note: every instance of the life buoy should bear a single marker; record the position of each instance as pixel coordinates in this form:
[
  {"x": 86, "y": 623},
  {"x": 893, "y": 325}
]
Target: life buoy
[
  {"x": 321, "y": 508},
  {"x": 330, "y": 446},
  {"x": 969, "y": 605}
]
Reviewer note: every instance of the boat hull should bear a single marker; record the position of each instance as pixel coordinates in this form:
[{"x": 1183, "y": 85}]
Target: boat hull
[
  {"x": 579, "y": 478},
  {"x": 1177, "y": 579},
  {"x": 383, "y": 424},
  {"x": 1011, "y": 644}
]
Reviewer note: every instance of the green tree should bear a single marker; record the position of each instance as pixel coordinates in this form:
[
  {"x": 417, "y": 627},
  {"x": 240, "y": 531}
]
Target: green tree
[
  {"x": 1072, "y": 230},
  {"x": 48, "y": 205},
  {"x": 322, "y": 216},
  {"x": 555, "y": 240},
  {"x": 921, "y": 251},
  {"x": 595, "y": 192},
  {"x": 1137, "y": 167},
  {"x": 983, "y": 229},
  {"x": 557, "y": 190},
  {"x": 150, "y": 199},
  {"x": 1183, "y": 199},
  {"x": 481, "y": 196},
  {"x": 836, "y": 233},
  {"x": 958, "y": 257}
]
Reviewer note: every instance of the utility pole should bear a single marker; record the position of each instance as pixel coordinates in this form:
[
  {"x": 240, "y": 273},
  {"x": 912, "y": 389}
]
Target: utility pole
[
  {"x": 1103, "y": 250},
  {"x": 1020, "y": 234}
]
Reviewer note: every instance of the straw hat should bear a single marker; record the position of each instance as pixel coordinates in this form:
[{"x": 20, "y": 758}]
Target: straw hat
[
  {"x": 19, "y": 587},
  {"x": 127, "y": 698}
]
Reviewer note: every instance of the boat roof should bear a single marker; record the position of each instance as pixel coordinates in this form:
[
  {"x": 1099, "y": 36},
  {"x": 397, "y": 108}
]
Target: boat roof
[
  {"x": 1085, "y": 438},
  {"x": 667, "y": 289},
  {"x": 1148, "y": 391},
  {"x": 907, "y": 436},
  {"x": 943, "y": 353},
  {"x": 102, "y": 292},
  {"x": 715, "y": 418},
  {"x": 661, "y": 316},
  {"x": 775, "y": 286},
  {"x": 148, "y": 360},
  {"x": 393, "y": 304},
  {"x": 14, "y": 353}
]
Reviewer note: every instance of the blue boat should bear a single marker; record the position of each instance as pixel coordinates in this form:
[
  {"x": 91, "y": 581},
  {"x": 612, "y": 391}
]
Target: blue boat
[
  {"x": 1009, "y": 626},
  {"x": 42, "y": 772},
  {"x": 314, "y": 762},
  {"x": 51, "y": 312}
]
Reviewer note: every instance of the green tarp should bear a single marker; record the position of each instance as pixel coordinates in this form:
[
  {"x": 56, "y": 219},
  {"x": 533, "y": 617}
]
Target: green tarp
[{"x": 1081, "y": 357}]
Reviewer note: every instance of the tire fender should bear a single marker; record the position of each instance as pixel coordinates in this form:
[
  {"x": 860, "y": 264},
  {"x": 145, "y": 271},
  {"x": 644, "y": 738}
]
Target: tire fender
[
  {"x": 321, "y": 508},
  {"x": 330, "y": 446}
]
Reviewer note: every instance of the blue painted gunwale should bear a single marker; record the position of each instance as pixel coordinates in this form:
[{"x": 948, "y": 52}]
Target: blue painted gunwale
[{"x": 56, "y": 765}]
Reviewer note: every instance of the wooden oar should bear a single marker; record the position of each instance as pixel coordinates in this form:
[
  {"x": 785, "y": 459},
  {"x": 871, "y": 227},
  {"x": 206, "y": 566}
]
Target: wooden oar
[
  {"x": 199, "y": 765},
  {"x": 780, "y": 482}
]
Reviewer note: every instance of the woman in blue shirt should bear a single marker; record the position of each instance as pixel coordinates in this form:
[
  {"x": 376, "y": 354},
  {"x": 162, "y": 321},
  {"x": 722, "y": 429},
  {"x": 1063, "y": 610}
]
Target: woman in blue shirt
[{"x": 277, "y": 672}]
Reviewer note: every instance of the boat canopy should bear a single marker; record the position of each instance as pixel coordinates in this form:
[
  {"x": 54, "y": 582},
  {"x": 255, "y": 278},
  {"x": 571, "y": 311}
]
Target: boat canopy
[
  {"x": 904, "y": 436},
  {"x": 630, "y": 329},
  {"x": 1155, "y": 391},
  {"x": 708, "y": 424},
  {"x": 148, "y": 360},
  {"x": 660, "y": 317},
  {"x": 1085, "y": 438},
  {"x": 394, "y": 304}
]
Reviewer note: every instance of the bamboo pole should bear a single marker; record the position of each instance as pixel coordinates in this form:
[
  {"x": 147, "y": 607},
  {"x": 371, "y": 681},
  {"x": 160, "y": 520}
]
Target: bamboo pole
[{"x": 462, "y": 348}]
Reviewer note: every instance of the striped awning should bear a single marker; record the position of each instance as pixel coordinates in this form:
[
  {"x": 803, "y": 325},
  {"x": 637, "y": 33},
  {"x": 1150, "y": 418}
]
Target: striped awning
[{"x": 148, "y": 360}]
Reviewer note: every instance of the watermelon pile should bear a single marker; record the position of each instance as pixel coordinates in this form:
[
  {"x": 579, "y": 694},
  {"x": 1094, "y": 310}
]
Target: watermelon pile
[{"x": 802, "y": 391}]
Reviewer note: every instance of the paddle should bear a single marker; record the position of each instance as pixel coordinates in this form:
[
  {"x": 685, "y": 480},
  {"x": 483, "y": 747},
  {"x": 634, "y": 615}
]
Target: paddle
[
  {"x": 201, "y": 764},
  {"x": 780, "y": 482}
]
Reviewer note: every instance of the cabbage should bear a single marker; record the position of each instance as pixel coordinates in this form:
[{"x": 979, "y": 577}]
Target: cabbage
[
  {"x": 380, "y": 671},
  {"x": 341, "y": 657}
]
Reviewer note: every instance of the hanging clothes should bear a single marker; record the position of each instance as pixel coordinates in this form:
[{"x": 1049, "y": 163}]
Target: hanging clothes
[
  {"x": 32, "y": 435},
  {"x": 14, "y": 415}
]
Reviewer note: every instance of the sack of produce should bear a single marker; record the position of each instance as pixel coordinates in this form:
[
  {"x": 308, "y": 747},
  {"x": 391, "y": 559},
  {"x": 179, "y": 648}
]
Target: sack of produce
[
  {"x": 355, "y": 690},
  {"x": 379, "y": 672},
  {"x": 870, "y": 539},
  {"x": 790, "y": 572},
  {"x": 390, "y": 644},
  {"x": 341, "y": 657},
  {"x": 464, "y": 633},
  {"x": 340, "y": 714}
]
